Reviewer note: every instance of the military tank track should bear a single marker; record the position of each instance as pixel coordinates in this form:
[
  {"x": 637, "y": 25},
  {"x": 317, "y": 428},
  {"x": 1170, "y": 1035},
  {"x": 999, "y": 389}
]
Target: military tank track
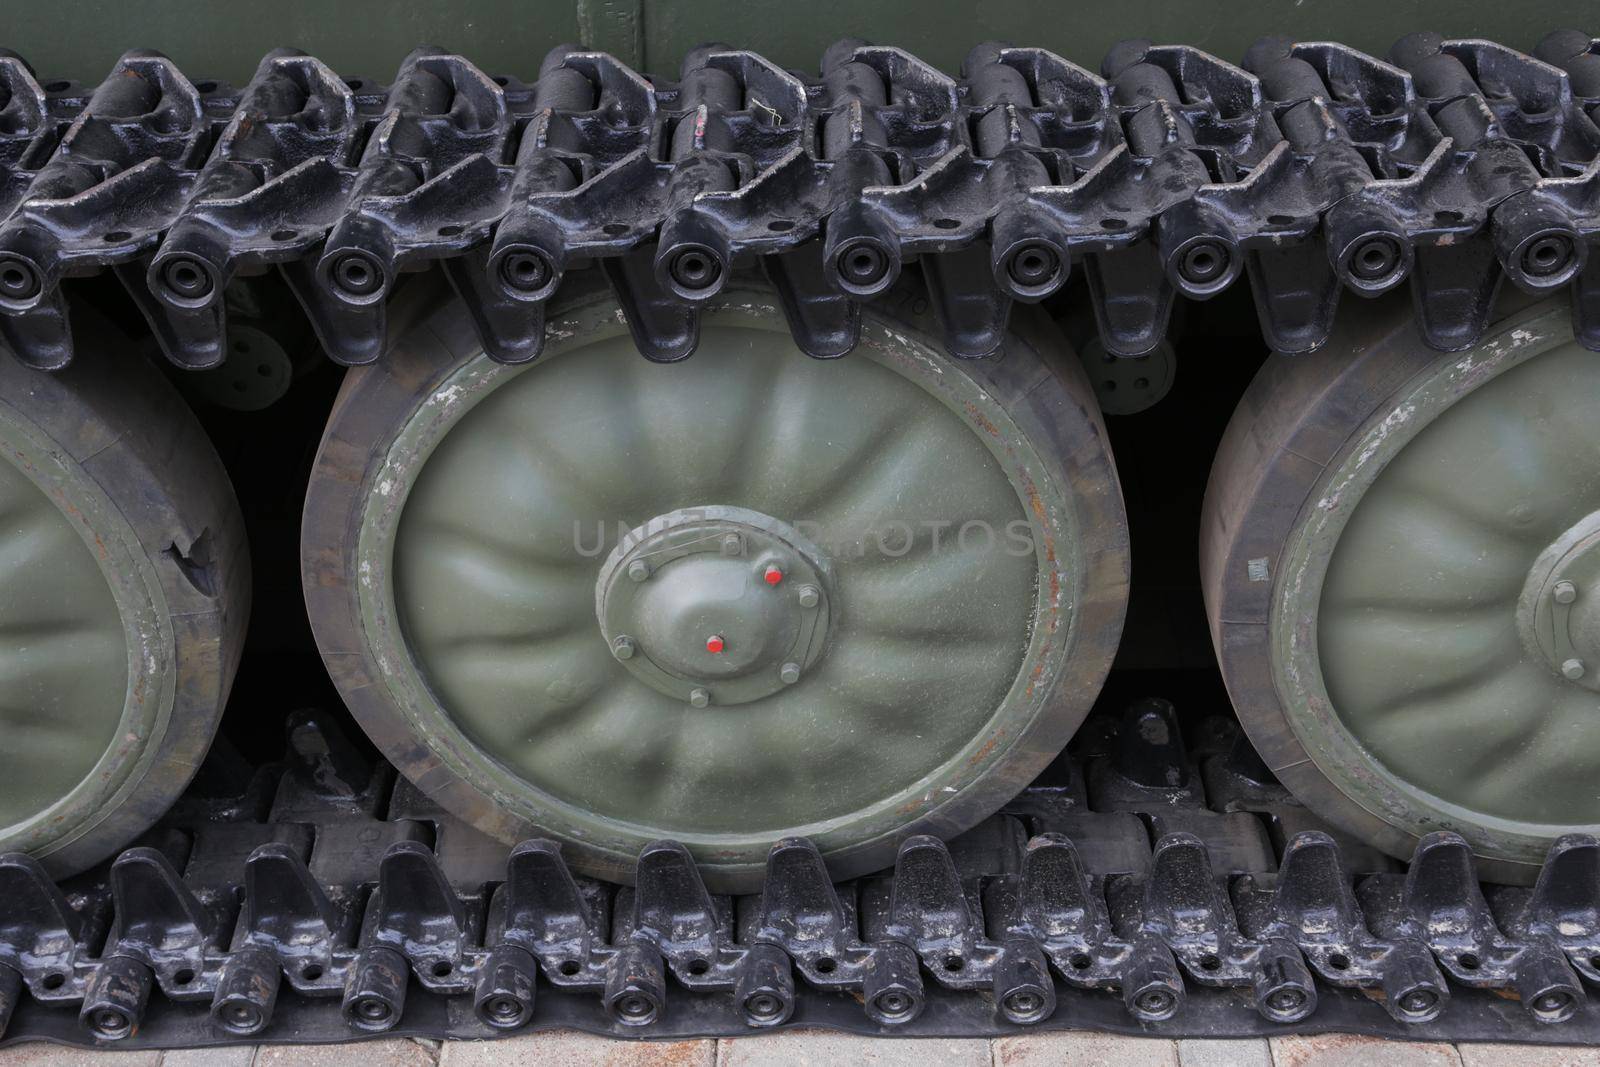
[
  {"x": 1140, "y": 889},
  {"x": 1313, "y": 169},
  {"x": 787, "y": 818}
]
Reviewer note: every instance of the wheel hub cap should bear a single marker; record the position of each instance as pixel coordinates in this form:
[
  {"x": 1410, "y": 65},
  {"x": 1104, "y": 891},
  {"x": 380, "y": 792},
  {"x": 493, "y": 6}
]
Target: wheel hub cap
[
  {"x": 715, "y": 605},
  {"x": 1559, "y": 613}
]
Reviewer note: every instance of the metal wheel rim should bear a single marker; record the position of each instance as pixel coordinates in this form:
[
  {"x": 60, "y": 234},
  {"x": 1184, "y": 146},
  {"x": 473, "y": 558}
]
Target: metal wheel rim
[
  {"x": 1446, "y": 383},
  {"x": 1087, "y": 611}
]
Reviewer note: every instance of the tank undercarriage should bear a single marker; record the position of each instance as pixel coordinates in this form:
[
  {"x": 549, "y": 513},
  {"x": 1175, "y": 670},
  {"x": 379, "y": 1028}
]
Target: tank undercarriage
[{"x": 709, "y": 497}]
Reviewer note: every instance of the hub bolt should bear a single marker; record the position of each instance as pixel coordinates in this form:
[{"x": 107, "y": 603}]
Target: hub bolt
[
  {"x": 809, "y": 595},
  {"x": 772, "y": 574},
  {"x": 1564, "y": 592},
  {"x": 1573, "y": 669},
  {"x": 732, "y": 545},
  {"x": 623, "y": 647},
  {"x": 638, "y": 570},
  {"x": 699, "y": 698},
  {"x": 715, "y": 644},
  {"x": 789, "y": 673}
]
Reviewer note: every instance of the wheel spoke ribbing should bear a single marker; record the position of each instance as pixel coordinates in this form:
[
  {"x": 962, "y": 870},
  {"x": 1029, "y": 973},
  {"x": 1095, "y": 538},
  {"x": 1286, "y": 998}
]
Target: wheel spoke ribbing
[
  {"x": 1421, "y": 649},
  {"x": 58, "y": 628},
  {"x": 498, "y": 595}
]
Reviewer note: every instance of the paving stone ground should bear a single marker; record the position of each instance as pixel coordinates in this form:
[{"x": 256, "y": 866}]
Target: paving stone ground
[{"x": 818, "y": 1048}]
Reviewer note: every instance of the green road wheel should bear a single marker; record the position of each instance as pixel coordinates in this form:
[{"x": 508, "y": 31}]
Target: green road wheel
[
  {"x": 126, "y": 585},
  {"x": 725, "y": 601},
  {"x": 1402, "y": 567}
]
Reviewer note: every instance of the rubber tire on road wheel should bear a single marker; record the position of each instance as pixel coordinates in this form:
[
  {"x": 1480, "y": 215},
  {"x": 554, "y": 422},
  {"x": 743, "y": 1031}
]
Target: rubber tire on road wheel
[
  {"x": 1377, "y": 552},
  {"x": 128, "y": 590}
]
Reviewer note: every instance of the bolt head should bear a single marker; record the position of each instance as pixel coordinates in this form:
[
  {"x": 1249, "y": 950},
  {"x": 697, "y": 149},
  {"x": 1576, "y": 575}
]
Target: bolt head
[
  {"x": 502, "y": 1007},
  {"x": 634, "y": 1007},
  {"x": 243, "y": 1017},
  {"x": 357, "y": 275},
  {"x": 1419, "y": 1001},
  {"x": 789, "y": 673},
  {"x": 763, "y": 1005},
  {"x": 1573, "y": 669},
  {"x": 638, "y": 570},
  {"x": 699, "y": 698},
  {"x": 186, "y": 278},
  {"x": 525, "y": 272},
  {"x": 809, "y": 596},
  {"x": 1552, "y": 1002},
  {"x": 1034, "y": 264},
  {"x": 1564, "y": 592},
  {"x": 715, "y": 644},
  {"x": 624, "y": 647},
  {"x": 894, "y": 1003},
  {"x": 1154, "y": 1001},
  {"x": 110, "y": 1023},
  {"x": 372, "y": 1008},
  {"x": 732, "y": 545},
  {"x": 1286, "y": 999},
  {"x": 1025, "y": 1003},
  {"x": 773, "y": 574}
]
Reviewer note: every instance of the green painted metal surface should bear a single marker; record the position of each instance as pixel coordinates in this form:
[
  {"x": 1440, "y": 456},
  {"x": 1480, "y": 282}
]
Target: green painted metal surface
[
  {"x": 892, "y": 489},
  {"x": 1421, "y": 642},
  {"x": 369, "y": 37},
  {"x": 63, "y": 656},
  {"x": 959, "y": 520},
  {"x": 1415, "y": 610}
]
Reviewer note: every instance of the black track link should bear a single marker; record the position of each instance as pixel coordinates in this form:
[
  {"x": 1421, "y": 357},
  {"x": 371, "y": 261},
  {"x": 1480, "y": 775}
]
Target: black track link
[
  {"x": 1136, "y": 887},
  {"x": 1312, "y": 169}
]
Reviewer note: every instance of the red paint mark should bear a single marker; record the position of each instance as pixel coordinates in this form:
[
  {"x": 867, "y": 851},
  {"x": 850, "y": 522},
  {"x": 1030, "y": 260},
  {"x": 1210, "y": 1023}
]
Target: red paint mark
[
  {"x": 715, "y": 643},
  {"x": 773, "y": 575}
]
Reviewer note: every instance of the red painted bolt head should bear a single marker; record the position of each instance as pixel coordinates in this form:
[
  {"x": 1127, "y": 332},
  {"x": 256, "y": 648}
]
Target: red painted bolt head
[
  {"x": 773, "y": 575},
  {"x": 715, "y": 643}
]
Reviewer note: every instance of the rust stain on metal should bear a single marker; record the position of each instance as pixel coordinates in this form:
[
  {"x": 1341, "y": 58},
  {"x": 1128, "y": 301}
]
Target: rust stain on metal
[
  {"x": 981, "y": 419},
  {"x": 988, "y": 747}
]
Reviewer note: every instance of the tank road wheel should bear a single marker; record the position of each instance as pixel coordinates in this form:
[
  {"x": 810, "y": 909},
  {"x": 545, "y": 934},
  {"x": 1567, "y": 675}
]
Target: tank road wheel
[
  {"x": 126, "y": 593},
  {"x": 1402, "y": 566},
  {"x": 750, "y": 595}
]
